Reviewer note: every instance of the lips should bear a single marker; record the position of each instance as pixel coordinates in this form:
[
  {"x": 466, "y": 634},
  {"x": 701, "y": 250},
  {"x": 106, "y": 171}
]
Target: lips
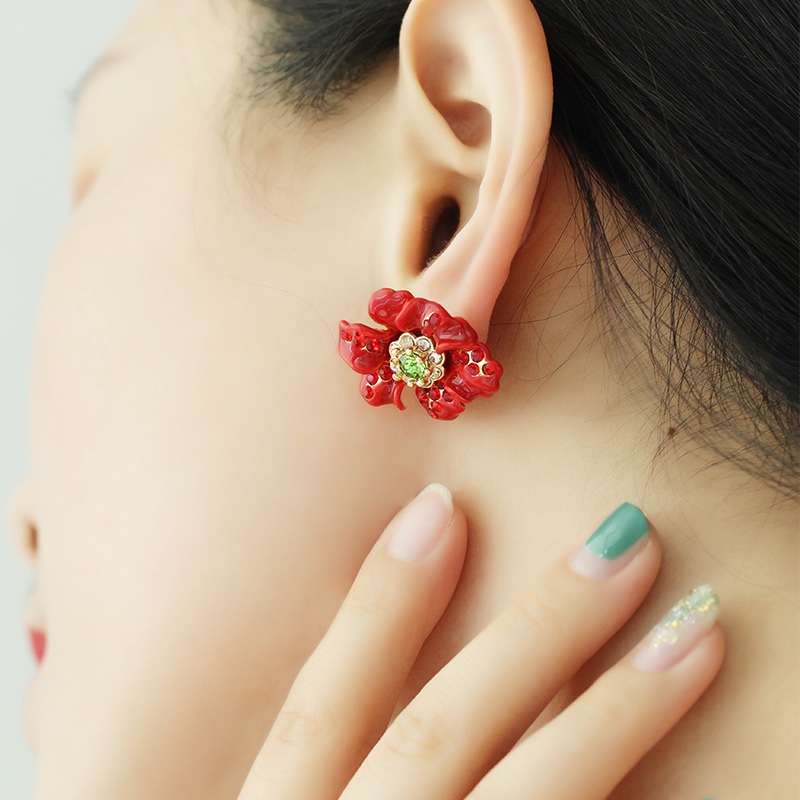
[
  {"x": 34, "y": 623},
  {"x": 38, "y": 643}
]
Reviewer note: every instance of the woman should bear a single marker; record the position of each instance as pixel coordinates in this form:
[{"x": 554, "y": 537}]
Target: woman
[{"x": 608, "y": 198}]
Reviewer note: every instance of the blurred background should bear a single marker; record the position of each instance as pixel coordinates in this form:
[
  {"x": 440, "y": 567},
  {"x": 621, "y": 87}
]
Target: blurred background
[{"x": 45, "y": 49}]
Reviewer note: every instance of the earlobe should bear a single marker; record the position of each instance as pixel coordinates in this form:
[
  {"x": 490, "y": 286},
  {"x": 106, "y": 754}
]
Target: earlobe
[{"x": 474, "y": 109}]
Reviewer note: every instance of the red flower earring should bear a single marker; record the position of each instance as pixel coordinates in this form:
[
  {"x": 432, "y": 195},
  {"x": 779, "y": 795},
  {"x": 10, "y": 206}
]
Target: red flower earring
[{"x": 423, "y": 347}]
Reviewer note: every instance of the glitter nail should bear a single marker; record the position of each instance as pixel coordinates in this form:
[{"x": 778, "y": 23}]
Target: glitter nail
[{"x": 675, "y": 635}]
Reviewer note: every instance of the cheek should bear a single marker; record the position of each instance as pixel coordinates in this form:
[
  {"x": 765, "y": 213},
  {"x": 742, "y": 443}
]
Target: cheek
[{"x": 209, "y": 484}]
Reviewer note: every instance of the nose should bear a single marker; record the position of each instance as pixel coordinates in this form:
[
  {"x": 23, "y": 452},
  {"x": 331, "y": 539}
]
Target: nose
[{"x": 23, "y": 521}]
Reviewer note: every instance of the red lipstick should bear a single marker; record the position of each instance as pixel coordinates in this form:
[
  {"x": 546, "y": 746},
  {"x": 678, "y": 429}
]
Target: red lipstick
[{"x": 38, "y": 643}]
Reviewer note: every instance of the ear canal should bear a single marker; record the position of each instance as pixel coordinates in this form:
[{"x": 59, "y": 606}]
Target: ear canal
[{"x": 445, "y": 226}]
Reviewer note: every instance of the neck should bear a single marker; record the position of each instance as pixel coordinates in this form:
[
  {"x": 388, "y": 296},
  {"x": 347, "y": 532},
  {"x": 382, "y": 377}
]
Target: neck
[{"x": 571, "y": 435}]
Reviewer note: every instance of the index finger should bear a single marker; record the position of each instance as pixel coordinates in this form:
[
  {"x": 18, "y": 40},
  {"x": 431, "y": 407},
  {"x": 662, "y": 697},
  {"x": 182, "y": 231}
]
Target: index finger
[{"x": 345, "y": 694}]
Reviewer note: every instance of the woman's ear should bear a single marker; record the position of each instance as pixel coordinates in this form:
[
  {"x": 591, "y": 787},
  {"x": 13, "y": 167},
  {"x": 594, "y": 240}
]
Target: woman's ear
[{"x": 474, "y": 105}]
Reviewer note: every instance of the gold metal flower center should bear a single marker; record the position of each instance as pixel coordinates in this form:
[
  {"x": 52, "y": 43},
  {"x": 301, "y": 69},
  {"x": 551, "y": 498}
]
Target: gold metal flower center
[{"x": 414, "y": 360}]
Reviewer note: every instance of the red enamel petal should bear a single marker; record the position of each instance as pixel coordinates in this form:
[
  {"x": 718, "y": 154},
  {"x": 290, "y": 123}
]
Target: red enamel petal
[
  {"x": 469, "y": 380},
  {"x": 364, "y": 349},
  {"x": 483, "y": 384},
  {"x": 454, "y": 381},
  {"x": 396, "y": 392},
  {"x": 378, "y": 392},
  {"x": 454, "y": 332},
  {"x": 415, "y": 310},
  {"x": 440, "y": 403},
  {"x": 386, "y": 304}
]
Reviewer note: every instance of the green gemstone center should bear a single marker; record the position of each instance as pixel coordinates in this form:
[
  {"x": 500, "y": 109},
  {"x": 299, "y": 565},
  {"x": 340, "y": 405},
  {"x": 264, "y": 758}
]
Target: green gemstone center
[{"x": 412, "y": 365}]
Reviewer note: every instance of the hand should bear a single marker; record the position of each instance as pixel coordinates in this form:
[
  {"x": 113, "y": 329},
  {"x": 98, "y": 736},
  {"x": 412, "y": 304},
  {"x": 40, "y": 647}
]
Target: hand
[{"x": 333, "y": 737}]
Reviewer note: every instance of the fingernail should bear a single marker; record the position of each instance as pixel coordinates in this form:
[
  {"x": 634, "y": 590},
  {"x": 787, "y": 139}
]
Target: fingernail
[
  {"x": 421, "y": 523},
  {"x": 612, "y": 545},
  {"x": 686, "y": 624}
]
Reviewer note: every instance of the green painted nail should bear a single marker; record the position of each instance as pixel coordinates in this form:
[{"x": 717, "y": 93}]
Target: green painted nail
[{"x": 618, "y": 532}]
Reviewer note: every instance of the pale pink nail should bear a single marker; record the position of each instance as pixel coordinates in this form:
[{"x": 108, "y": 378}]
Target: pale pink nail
[
  {"x": 420, "y": 524},
  {"x": 687, "y": 622}
]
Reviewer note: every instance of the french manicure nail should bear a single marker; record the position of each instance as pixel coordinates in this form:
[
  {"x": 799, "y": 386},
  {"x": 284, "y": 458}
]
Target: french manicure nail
[
  {"x": 421, "y": 523},
  {"x": 612, "y": 545},
  {"x": 686, "y": 623}
]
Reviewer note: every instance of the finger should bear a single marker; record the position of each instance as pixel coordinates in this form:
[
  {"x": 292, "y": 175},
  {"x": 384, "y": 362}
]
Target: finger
[
  {"x": 476, "y": 708},
  {"x": 589, "y": 748},
  {"x": 345, "y": 694}
]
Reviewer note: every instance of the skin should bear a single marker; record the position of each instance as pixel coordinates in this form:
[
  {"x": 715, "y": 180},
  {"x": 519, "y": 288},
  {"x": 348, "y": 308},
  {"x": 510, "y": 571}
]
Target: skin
[{"x": 207, "y": 481}]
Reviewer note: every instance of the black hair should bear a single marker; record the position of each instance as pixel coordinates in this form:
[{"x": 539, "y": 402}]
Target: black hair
[{"x": 685, "y": 114}]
